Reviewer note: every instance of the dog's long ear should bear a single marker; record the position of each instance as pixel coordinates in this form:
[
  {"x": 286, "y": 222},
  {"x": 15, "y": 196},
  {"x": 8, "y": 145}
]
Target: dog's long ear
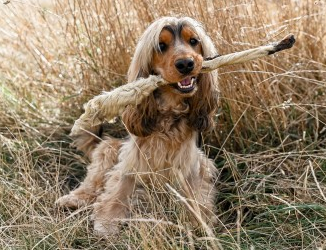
[
  {"x": 141, "y": 120},
  {"x": 204, "y": 103}
]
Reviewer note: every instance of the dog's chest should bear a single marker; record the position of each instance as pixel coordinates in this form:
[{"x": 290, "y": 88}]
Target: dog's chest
[{"x": 160, "y": 156}]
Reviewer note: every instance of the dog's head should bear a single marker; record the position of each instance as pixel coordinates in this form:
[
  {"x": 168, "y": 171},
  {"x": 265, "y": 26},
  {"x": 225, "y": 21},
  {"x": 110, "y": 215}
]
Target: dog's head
[
  {"x": 178, "y": 57},
  {"x": 174, "y": 48}
]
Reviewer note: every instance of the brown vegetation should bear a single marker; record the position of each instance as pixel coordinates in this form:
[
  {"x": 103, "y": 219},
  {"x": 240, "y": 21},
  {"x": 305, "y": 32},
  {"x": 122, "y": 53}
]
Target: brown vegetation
[{"x": 269, "y": 143}]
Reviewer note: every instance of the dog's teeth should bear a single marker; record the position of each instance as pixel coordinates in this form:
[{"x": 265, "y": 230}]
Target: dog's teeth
[{"x": 192, "y": 81}]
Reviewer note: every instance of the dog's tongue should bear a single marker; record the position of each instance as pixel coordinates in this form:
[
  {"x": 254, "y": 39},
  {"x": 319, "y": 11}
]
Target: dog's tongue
[{"x": 186, "y": 82}]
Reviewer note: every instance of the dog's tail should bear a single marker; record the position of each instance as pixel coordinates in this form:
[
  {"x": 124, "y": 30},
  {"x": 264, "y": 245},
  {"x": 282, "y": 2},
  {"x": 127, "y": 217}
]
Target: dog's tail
[{"x": 87, "y": 140}]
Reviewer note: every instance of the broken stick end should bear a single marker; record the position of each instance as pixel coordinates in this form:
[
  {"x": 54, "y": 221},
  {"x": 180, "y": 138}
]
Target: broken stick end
[{"x": 286, "y": 43}]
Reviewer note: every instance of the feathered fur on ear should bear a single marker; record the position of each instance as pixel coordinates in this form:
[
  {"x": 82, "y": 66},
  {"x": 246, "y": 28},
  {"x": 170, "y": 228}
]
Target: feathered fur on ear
[
  {"x": 142, "y": 119},
  {"x": 203, "y": 104}
]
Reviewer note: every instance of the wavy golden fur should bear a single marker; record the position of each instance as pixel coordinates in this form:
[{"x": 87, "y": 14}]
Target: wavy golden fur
[{"x": 164, "y": 128}]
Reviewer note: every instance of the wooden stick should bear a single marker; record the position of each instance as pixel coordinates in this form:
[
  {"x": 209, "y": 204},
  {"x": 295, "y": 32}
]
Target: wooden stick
[
  {"x": 239, "y": 57},
  {"x": 111, "y": 104}
]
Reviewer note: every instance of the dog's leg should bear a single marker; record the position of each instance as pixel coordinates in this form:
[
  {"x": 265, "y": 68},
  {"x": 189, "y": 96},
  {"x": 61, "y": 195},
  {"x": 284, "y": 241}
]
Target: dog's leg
[
  {"x": 103, "y": 159},
  {"x": 207, "y": 192},
  {"x": 200, "y": 191},
  {"x": 113, "y": 204}
]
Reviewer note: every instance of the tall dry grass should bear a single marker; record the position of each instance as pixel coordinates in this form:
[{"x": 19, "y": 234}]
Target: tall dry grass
[{"x": 269, "y": 143}]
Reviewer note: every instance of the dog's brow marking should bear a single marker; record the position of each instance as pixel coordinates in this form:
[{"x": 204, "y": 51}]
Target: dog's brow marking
[{"x": 171, "y": 29}]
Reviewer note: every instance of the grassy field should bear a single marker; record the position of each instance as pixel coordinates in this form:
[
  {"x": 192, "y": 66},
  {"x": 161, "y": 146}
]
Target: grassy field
[{"x": 269, "y": 144}]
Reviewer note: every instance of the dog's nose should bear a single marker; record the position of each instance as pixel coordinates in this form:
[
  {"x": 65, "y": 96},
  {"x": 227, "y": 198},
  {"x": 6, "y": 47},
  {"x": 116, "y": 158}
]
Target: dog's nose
[{"x": 185, "y": 66}]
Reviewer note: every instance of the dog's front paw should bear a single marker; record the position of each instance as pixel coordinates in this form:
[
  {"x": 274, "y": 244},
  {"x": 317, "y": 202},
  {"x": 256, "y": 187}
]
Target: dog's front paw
[
  {"x": 106, "y": 228},
  {"x": 71, "y": 201}
]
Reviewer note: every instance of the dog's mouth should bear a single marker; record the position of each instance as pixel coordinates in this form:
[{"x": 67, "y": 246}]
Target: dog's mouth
[{"x": 186, "y": 85}]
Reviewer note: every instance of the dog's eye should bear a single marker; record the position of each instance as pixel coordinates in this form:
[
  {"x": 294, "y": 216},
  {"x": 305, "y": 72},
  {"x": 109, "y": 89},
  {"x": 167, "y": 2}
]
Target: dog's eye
[
  {"x": 162, "y": 46},
  {"x": 193, "y": 41}
]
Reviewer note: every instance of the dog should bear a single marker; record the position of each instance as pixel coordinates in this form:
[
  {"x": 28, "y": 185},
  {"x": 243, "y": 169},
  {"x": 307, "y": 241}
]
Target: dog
[{"x": 161, "y": 150}]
